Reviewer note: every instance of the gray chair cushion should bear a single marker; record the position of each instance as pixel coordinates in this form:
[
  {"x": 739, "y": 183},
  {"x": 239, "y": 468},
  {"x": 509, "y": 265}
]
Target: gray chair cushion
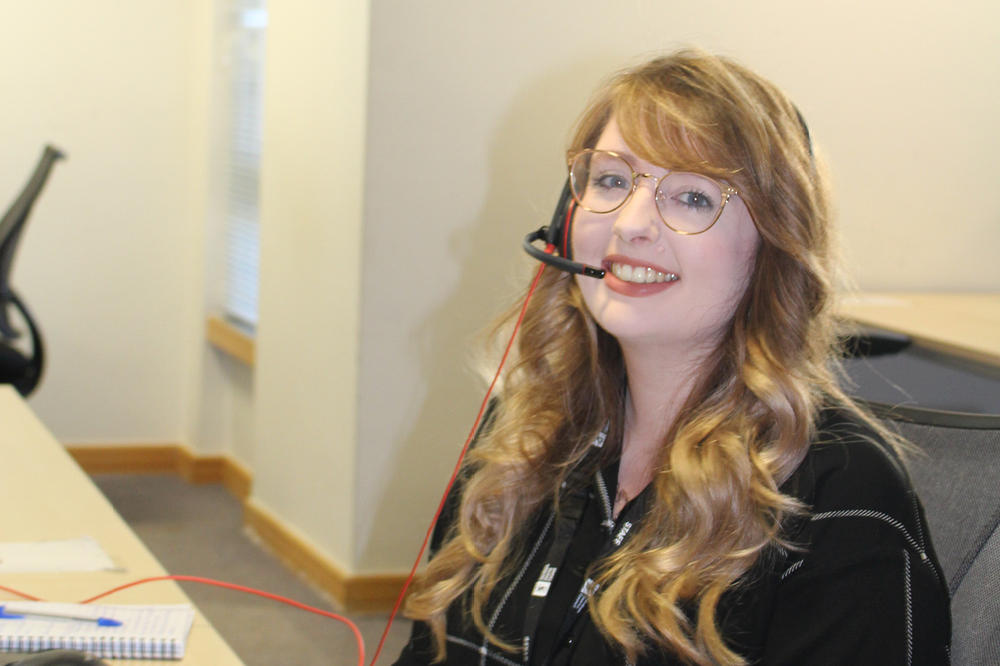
[
  {"x": 956, "y": 472},
  {"x": 975, "y": 636}
]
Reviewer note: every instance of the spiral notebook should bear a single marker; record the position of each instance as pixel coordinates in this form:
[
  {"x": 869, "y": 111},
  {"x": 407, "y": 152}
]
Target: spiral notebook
[{"x": 145, "y": 632}]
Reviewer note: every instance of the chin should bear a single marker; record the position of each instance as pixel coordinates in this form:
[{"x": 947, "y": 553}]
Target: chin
[{"x": 638, "y": 332}]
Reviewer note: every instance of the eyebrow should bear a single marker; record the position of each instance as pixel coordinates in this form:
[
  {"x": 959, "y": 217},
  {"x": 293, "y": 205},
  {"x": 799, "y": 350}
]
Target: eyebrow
[
  {"x": 632, "y": 158},
  {"x": 626, "y": 153}
]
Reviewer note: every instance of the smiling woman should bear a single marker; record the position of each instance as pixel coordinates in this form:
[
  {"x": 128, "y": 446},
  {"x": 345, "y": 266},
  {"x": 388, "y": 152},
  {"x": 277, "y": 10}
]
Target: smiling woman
[
  {"x": 672, "y": 474},
  {"x": 709, "y": 262}
]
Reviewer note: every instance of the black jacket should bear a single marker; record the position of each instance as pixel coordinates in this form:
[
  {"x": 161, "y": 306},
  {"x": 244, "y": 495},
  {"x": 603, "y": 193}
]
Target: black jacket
[{"x": 867, "y": 590}]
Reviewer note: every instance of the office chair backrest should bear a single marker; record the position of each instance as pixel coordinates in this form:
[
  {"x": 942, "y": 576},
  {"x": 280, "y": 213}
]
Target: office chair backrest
[
  {"x": 11, "y": 226},
  {"x": 957, "y": 475},
  {"x": 16, "y": 368}
]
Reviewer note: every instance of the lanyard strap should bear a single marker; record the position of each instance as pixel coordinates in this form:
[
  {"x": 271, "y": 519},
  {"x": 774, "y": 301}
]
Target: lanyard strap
[
  {"x": 624, "y": 528},
  {"x": 571, "y": 510},
  {"x": 571, "y": 506},
  {"x": 571, "y": 513}
]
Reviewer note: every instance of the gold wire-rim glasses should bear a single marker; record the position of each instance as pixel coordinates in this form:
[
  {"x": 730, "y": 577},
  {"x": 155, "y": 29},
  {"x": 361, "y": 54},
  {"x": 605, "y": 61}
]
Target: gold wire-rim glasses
[{"x": 725, "y": 190}]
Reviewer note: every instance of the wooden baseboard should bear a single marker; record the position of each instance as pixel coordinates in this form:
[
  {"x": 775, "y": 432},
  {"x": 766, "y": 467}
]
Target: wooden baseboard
[
  {"x": 353, "y": 592},
  {"x": 148, "y": 459},
  {"x": 237, "y": 479},
  {"x": 164, "y": 459}
]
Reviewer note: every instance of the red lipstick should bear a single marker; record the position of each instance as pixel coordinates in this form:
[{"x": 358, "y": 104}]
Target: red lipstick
[{"x": 633, "y": 289}]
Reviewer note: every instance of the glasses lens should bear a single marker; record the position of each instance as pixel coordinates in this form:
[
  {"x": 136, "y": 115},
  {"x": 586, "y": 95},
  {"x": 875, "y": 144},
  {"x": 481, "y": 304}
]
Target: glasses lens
[
  {"x": 688, "y": 202},
  {"x": 600, "y": 181}
]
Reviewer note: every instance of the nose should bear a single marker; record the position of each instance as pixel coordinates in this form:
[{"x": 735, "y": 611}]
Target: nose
[{"x": 638, "y": 221}]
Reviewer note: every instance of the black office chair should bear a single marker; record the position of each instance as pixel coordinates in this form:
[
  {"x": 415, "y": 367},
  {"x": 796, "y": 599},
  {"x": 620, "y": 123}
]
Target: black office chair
[
  {"x": 870, "y": 342},
  {"x": 16, "y": 368},
  {"x": 957, "y": 475}
]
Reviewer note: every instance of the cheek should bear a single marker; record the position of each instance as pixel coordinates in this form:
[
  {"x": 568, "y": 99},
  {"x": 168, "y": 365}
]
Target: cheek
[
  {"x": 741, "y": 261},
  {"x": 745, "y": 255},
  {"x": 741, "y": 252},
  {"x": 589, "y": 239},
  {"x": 729, "y": 266}
]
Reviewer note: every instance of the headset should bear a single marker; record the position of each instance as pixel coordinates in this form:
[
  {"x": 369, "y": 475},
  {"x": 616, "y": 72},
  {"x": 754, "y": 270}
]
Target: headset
[
  {"x": 558, "y": 238},
  {"x": 558, "y": 234}
]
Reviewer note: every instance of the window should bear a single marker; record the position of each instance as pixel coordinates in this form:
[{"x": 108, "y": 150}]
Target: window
[{"x": 246, "y": 99}]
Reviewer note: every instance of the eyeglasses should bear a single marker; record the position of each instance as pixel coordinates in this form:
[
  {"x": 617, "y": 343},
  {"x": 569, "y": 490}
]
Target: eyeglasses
[{"x": 689, "y": 203}]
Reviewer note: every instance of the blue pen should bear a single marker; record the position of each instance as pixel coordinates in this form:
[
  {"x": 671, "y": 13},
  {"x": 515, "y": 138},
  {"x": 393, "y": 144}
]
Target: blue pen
[{"x": 17, "y": 611}]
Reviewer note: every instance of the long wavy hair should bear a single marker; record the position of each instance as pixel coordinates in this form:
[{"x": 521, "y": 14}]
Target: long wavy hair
[{"x": 746, "y": 425}]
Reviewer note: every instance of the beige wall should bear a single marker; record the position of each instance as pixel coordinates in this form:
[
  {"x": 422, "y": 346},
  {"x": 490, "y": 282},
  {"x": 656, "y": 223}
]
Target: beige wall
[
  {"x": 111, "y": 262},
  {"x": 305, "y": 381},
  {"x": 470, "y": 106},
  {"x": 408, "y": 148}
]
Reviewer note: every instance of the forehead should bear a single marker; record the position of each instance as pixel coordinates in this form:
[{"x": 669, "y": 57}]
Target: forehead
[{"x": 611, "y": 139}]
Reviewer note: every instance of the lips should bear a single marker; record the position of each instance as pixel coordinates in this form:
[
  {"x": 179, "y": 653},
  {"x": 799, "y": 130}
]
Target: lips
[{"x": 631, "y": 277}]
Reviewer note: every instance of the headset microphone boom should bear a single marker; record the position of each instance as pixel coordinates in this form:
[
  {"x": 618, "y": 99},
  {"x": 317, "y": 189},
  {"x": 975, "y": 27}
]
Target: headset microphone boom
[{"x": 557, "y": 238}]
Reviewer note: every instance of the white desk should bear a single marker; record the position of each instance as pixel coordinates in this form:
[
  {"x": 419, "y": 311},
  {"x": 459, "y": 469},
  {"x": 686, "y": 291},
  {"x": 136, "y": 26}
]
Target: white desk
[
  {"x": 45, "y": 496},
  {"x": 965, "y": 325}
]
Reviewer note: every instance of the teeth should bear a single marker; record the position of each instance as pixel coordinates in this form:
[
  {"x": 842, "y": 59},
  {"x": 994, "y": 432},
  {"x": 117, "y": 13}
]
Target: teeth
[{"x": 641, "y": 274}]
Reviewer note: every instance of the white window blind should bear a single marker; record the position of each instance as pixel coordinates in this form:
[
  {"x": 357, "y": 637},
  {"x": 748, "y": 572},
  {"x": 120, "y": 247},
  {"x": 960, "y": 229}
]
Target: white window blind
[{"x": 246, "y": 122}]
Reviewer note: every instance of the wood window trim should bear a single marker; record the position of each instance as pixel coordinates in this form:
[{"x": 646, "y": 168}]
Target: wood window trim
[{"x": 231, "y": 338}]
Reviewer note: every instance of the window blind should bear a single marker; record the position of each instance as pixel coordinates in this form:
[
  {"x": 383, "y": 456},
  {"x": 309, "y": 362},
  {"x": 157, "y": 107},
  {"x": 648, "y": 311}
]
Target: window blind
[{"x": 246, "y": 122}]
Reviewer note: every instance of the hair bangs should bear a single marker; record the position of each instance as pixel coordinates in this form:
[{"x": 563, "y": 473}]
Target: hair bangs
[{"x": 662, "y": 133}]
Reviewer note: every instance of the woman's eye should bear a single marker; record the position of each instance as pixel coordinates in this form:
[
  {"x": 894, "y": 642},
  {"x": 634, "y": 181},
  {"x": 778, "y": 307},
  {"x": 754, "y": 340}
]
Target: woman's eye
[
  {"x": 698, "y": 200},
  {"x": 612, "y": 181}
]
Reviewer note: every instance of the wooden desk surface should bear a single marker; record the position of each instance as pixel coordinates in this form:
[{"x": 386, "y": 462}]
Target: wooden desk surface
[
  {"x": 966, "y": 325},
  {"x": 47, "y": 496}
]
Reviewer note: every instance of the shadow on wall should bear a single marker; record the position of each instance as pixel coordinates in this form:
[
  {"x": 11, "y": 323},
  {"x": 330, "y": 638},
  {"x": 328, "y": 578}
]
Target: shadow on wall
[{"x": 526, "y": 177}]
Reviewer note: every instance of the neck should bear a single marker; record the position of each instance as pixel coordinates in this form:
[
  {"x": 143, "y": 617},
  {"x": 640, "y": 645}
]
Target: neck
[{"x": 659, "y": 381}]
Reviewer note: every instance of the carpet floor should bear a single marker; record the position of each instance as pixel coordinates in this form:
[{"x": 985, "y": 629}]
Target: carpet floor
[{"x": 197, "y": 530}]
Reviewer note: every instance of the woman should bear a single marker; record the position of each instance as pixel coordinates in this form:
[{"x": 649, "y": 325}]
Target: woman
[{"x": 672, "y": 474}]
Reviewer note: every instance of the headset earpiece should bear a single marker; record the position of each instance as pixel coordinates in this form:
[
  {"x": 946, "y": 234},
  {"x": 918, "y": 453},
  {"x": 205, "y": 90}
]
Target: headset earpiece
[
  {"x": 558, "y": 239},
  {"x": 559, "y": 230}
]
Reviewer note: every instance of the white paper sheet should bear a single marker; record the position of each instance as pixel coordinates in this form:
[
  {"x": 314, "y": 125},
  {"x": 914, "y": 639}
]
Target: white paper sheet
[{"x": 83, "y": 554}]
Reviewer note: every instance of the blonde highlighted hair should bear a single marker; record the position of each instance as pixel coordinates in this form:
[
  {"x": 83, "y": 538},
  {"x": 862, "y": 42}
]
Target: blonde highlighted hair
[{"x": 745, "y": 427}]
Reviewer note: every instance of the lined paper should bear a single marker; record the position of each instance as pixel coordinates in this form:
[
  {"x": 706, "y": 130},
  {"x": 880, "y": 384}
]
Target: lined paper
[{"x": 147, "y": 632}]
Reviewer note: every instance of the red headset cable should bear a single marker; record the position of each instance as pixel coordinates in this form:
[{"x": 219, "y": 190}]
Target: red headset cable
[
  {"x": 461, "y": 456},
  {"x": 19, "y": 593},
  {"x": 248, "y": 590},
  {"x": 430, "y": 530}
]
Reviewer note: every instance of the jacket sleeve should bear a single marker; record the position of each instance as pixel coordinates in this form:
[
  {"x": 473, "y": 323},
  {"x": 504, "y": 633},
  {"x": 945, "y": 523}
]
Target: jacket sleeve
[
  {"x": 881, "y": 607},
  {"x": 420, "y": 650},
  {"x": 866, "y": 588}
]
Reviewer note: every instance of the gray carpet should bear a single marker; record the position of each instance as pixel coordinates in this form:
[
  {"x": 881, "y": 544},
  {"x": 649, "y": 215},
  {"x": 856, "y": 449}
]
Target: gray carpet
[{"x": 197, "y": 531}]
